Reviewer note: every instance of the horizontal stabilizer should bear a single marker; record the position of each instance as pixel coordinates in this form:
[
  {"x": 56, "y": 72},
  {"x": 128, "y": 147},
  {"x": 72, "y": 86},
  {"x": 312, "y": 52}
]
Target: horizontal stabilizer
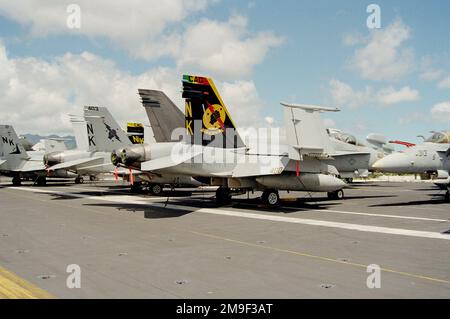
[{"x": 75, "y": 163}]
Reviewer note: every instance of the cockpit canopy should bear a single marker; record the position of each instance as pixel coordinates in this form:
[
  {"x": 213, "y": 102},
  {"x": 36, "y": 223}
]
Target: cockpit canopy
[
  {"x": 343, "y": 137},
  {"x": 439, "y": 137}
]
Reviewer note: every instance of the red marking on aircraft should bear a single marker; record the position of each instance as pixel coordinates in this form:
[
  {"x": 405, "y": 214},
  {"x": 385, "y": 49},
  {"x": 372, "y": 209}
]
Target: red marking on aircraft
[
  {"x": 212, "y": 110},
  {"x": 407, "y": 144}
]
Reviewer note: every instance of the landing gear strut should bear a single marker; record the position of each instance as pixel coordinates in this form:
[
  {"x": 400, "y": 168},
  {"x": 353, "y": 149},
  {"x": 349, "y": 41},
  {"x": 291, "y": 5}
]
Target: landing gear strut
[
  {"x": 136, "y": 187},
  {"x": 16, "y": 181},
  {"x": 41, "y": 181},
  {"x": 336, "y": 195},
  {"x": 271, "y": 197},
  {"x": 223, "y": 196}
]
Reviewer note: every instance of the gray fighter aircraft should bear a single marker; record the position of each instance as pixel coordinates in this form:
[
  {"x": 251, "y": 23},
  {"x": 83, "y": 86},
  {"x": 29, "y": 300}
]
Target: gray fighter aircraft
[
  {"x": 97, "y": 135},
  {"x": 20, "y": 164},
  {"x": 432, "y": 156},
  {"x": 354, "y": 158},
  {"x": 214, "y": 151}
]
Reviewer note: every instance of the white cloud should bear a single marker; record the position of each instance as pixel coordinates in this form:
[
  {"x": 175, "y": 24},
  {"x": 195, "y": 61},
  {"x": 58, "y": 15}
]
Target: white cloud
[
  {"x": 344, "y": 95},
  {"x": 445, "y": 83},
  {"x": 429, "y": 69},
  {"x": 37, "y": 95},
  {"x": 123, "y": 22},
  {"x": 153, "y": 29},
  {"x": 390, "y": 96},
  {"x": 224, "y": 48},
  {"x": 431, "y": 75},
  {"x": 243, "y": 102},
  {"x": 384, "y": 58},
  {"x": 350, "y": 39},
  {"x": 269, "y": 120},
  {"x": 441, "y": 112}
]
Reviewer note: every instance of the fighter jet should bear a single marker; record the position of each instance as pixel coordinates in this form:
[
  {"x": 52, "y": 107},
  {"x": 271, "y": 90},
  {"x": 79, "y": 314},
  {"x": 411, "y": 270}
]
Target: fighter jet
[
  {"x": 212, "y": 149},
  {"x": 352, "y": 157},
  {"x": 20, "y": 164},
  {"x": 350, "y": 160},
  {"x": 97, "y": 135},
  {"x": 432, "y": 156}
]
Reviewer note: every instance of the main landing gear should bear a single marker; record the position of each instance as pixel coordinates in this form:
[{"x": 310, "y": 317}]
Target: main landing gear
[
  {"x": 79, "y": 180},
  {"x": 336, "y": 195},
  {"x": 271, "y": 197},
  {"x": 223, "y": 196},
  {"x": 156, "y": 189},
  {"x": 447, "y": 194},
  {"x": 41, "y": 181}
]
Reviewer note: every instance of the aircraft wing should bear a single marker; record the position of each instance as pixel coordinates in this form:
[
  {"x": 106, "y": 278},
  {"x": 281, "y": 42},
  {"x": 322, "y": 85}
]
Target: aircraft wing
[
  {"x": 265, "y": 165},
  {"x": 346, "y": 153},
  {"x": 169, "y": 161},
  {"x": 73, "y": 164}
]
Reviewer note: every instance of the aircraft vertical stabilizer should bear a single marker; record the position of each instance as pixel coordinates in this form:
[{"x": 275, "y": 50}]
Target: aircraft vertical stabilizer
[
  {"x": 207, "y": 119},
  {"x": 104, "y": 133},
  {"x": 10, "y": 146},
  {"x": 163, "y": 114},
  {"x": 306, "y": 134}
]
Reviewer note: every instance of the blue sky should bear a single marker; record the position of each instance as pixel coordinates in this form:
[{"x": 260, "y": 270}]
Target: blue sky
[{"x": 313, "y": 52}]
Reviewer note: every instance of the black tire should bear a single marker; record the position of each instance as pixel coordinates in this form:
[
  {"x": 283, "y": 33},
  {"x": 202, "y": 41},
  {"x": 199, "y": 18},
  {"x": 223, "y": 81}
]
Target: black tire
[
  {"x": 79, "y": 180},
  {"x": 447, "y": 196},
  {"x": 348, "y": 180},
  {"x": 223, "y": 196},
  {"x": 156, "y": 189},
  {"x": 336, "y": 195},
  {"x": 271, "y": 197},
  {"x": 16, "y": 181},
  {"x": 41, "y": 181},
  {"x": 92, "y": 178}
]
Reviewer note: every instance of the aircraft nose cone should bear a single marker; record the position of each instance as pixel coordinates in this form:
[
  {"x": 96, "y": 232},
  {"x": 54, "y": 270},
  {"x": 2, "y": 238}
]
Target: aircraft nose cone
[{"x": 394, "y": 163}]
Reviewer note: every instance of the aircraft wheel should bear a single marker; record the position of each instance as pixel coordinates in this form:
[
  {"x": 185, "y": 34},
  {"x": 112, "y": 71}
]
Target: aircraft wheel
[
  {"x": 156, "y": 189},
  {"x": 79, "y": 180},
  {"x": 16, "y": 181},
  {"x": 271, "y": 197},
  {"x": 41, "y": 181},
  {"x": 336, "y": 195},
  {"x": 223, "y": 196},
  {"x": 447, "y": 196},
  {"x": 92, "y": 178},
  {"x": 348, "y": 180}
]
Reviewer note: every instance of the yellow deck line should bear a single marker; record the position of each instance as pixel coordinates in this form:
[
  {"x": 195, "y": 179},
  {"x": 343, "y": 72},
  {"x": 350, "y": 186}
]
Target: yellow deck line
[
  {"x": 14, "y": 287},
  {"x": 327, "y": 259}
]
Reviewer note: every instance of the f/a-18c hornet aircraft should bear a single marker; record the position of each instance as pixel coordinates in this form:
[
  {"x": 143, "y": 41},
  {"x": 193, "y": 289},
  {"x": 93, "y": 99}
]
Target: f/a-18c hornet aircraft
[
  {"x": 20, "y": 164},
  {"x": 432, "y": 156},
  {"x": 97, "y": 135},
  {"x": 213, "y": 150}
]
